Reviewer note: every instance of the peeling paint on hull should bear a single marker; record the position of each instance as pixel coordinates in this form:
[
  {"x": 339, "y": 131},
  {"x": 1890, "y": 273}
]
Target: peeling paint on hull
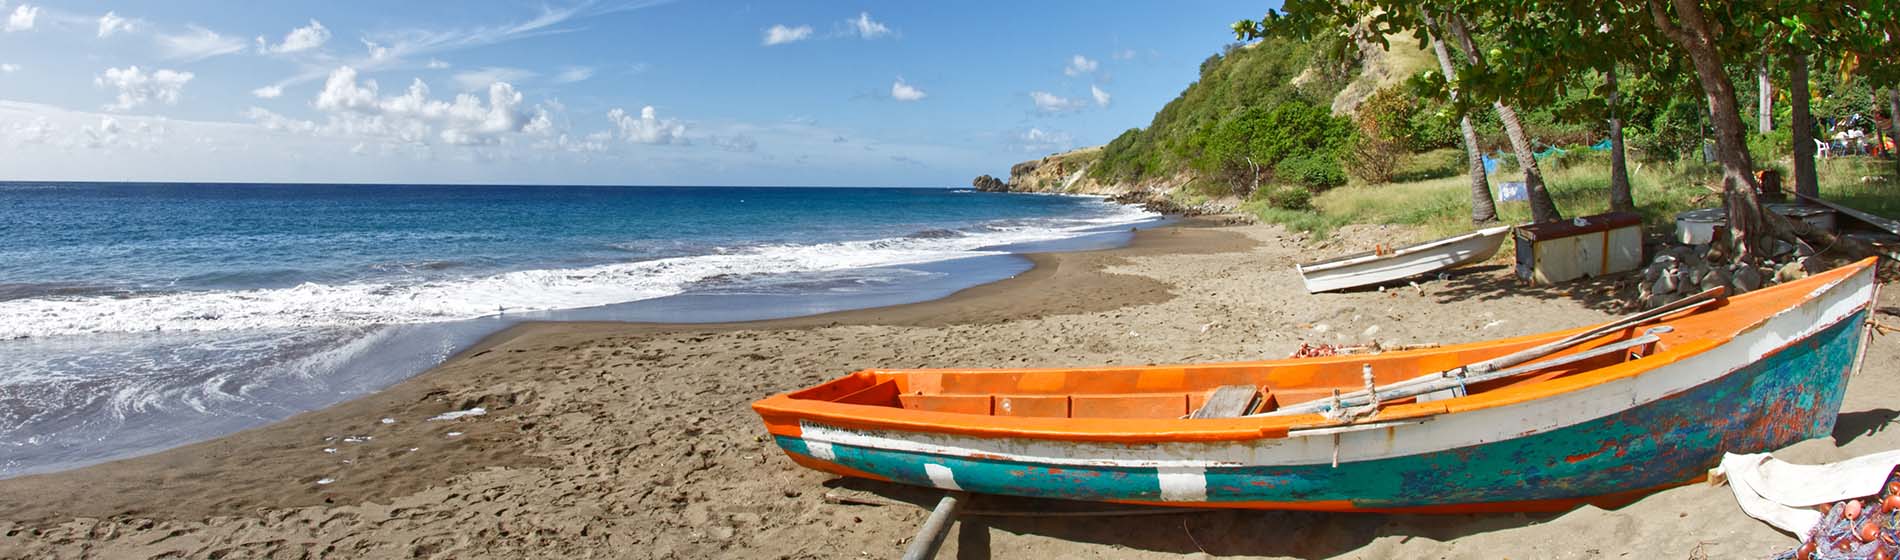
[{"x": 1787, "y": 396}]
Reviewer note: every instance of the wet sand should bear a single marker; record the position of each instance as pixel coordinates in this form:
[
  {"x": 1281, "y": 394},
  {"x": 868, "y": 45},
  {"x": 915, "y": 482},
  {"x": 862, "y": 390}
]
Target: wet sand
[{"x": 635, "y": 440}]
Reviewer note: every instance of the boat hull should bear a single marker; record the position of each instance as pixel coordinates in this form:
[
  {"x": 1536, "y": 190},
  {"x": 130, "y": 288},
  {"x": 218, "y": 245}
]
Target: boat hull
[
  {"x": 1349, "y": 272},
  {"x": 1601, "y": 441}
]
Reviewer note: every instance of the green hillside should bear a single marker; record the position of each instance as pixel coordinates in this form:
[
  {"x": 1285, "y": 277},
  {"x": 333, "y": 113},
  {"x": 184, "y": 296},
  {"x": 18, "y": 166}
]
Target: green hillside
[{"x": 1267, "y": 102}]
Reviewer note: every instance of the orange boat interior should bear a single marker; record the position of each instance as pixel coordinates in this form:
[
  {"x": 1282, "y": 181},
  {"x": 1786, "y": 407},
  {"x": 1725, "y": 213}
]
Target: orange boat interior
[{"x": 1174, "y": 391}]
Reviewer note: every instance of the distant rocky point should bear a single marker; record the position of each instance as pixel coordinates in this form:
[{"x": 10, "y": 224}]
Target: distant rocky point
[{"x": 986, "y": 183}]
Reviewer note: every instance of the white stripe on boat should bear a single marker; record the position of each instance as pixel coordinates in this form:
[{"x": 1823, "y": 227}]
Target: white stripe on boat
[
  {"x": 1183, "y": 484},
  {"x": 820, "y": 450},
  {"x": 941, "y": 476}
]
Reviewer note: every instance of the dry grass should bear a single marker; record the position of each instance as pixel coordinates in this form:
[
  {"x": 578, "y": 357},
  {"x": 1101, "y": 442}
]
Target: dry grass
[{"x": 1441, "y": 207}]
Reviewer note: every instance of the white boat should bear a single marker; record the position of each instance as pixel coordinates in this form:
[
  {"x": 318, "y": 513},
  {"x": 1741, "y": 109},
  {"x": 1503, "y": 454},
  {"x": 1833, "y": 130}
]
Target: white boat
[{"x": 1383, "y": 265}]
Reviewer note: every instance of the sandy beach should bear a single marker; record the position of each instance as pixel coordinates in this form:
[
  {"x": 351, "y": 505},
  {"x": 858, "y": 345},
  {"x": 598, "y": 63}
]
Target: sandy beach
[{"x": 635, "y": 440}]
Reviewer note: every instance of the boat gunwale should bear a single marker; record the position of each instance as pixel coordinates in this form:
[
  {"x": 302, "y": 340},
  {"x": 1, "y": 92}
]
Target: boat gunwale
[
  {"x": 1164, "y": 430},
  {"x": 1373, "y": 256}
]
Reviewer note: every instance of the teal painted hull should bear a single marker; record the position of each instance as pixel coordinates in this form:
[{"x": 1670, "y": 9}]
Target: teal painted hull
[{"x": 1789, "y": 396}]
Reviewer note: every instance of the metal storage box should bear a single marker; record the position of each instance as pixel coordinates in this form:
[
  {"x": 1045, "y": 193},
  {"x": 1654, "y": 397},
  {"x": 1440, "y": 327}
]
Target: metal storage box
[{"x": 1586, "y": 246}]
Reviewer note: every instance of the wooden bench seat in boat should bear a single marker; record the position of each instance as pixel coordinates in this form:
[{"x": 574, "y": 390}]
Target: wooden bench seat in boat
[{"x": 1130, "y": 405}]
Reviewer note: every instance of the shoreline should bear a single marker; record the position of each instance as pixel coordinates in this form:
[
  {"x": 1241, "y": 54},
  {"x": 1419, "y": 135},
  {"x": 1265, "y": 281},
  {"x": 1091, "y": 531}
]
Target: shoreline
[
  {"x": 120, "y": 483},
  {"x": 272, "y": 383},
  {"x": 615, "y": 439}
]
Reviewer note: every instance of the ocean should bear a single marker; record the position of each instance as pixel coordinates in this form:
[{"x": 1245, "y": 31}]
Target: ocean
[{"x": 139, "y": 317}]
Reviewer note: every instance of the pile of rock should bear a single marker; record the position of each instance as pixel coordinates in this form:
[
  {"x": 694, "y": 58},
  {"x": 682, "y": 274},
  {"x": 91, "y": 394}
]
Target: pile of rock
[
  {"x": 986, "y": 183},
  {"x": 1680, "y": 271}
]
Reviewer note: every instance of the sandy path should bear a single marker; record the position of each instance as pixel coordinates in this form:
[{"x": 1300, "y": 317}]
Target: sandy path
[{"x": 613, "y": 440}]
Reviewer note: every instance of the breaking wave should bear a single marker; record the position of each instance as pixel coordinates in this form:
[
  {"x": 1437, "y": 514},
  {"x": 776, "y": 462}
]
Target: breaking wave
[{"x": 357, "y": 304}]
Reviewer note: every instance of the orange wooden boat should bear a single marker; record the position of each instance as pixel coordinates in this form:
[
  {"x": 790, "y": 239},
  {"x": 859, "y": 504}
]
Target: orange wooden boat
[{"x": 1541, "y": 422}]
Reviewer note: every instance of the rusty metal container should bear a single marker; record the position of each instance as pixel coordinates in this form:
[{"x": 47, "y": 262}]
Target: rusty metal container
[{"x": 1585, "y": 246}]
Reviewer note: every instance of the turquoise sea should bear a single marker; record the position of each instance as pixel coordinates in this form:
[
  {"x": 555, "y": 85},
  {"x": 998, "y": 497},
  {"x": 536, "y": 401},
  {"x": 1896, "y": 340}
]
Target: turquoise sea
[{"x": 137, "y": 317}]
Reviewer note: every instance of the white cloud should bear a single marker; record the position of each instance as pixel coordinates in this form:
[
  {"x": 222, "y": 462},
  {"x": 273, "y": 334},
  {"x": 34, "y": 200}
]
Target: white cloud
[
  {"x": 648, "y": 128},
  {"x": 268, "y": 92},
  {"x": 359, "y": 109},
  {"x": 1124, "y": 54},
  {"x": 38, "y": 131},
  {"x": 111, "y": 23},
  {"x": 22, "y": 18},
  {"x": 1052, "y": 103},
  {"x": 479, "y": 79},
  {"x": 867, "y": 27},
  {"x": 340, "y": 92},
  {"x": 736, "y": 143},
  {"x": 1101, "y": 97},
  {"x": 298, "y": 40},
  {"x": 274, "y": 121},
  {"x": 437, "y": 64},
  {"x": 1036, "y": 140},
  {"x": 905, "y": 92},
  {"x": 9, "y": 68},
  {"x": 378, "y": 53},
  {"x": 779, "y": 34},
  {"x": 136, "y": 87},
  {"x": 197, "y": 43},
  {"x": 594, "y": 142},
  {"x": 571, "y": 74},
  {"x": 1080, "y": 65}
]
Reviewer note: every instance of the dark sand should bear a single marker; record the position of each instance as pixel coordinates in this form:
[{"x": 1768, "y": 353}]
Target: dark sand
[{"x": 635, "y": 440}]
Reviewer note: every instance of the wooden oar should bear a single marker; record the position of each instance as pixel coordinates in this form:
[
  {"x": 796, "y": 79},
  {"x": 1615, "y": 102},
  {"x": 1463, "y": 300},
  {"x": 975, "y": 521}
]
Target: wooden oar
[{"x": 1508, "y": 360}]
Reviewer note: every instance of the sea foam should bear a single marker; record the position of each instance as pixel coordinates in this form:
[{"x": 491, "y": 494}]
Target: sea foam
[{"x": 382, "y": 303}]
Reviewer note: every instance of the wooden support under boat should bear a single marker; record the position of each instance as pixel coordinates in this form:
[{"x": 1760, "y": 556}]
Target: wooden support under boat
[{"x": 930, "y": 536}]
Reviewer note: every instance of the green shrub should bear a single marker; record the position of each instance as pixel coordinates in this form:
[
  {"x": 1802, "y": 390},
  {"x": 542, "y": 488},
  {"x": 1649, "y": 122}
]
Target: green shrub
[
  {"x": 1290, "y": 197},
  {"x": 1574, "y": 156},
  {"x": 1375, "y": 160},
  {"x": 1316, "y": 171},
  {"x": 1773, "y": 146},
  {"x": 1435, "y": 164}
]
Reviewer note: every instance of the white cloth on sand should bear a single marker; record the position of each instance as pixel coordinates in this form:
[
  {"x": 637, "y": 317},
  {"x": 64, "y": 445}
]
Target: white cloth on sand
[{"x": 1784, "y": 494}]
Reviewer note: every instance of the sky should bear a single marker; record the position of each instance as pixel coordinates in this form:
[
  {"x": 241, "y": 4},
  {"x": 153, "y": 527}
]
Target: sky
[{"x": 614, "y": 92}]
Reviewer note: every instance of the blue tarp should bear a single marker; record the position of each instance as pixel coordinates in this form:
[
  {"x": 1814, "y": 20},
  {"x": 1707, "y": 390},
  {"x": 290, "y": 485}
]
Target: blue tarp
[{"x": 1601, "y": 146}]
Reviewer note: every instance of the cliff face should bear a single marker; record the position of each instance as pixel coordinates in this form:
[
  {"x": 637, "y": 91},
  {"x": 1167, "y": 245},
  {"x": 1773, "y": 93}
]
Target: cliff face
[{"x": 1067, "y": 173}]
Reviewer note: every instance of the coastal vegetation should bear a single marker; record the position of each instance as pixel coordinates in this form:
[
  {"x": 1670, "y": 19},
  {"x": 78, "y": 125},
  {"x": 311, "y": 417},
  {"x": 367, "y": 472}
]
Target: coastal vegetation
[
  {"x": 1334, "y": 111},
  {"x": 1539, "y": 54}
]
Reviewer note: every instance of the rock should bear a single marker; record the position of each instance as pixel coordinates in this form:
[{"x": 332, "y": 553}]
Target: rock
[
  {"x": 986, "y": 183},
  {"x": 1744, "y": 279},
  {"x": 1713, "y": 278},
  {"x": 1024, "y": 168},
  {"x": 1668, "y": 282},
  {"x": 1794, "y": 270}
]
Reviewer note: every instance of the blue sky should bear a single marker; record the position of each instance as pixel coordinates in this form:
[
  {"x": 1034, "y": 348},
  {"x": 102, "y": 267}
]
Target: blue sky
[{"x": 580, "y": 92}]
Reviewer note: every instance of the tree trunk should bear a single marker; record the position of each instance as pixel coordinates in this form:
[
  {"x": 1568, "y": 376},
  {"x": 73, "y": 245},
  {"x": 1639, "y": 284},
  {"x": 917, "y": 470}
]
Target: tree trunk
[
  {"x": 1765, "y": 99},
  {"x": 1746, "y": 224},
  {"x": 1893, "y": 121},
  {"x": 1483, "y": 208},
  {"x": 1873, "y": 98},
  {"x": 1543, "y": 209},
  {"x": 1805, "y": 182},
  {"x": 1620, "y": 199}
]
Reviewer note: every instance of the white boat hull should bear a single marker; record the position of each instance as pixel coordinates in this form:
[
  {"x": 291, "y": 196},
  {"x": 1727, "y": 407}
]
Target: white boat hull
[{"x": 1366, "y": 269}]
